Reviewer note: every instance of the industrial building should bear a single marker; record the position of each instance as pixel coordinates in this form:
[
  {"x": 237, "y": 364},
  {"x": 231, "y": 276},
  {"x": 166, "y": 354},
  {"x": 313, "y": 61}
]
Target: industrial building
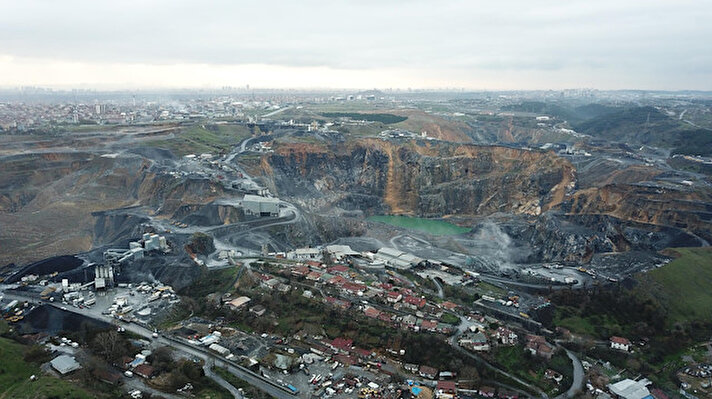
[
  {"x": 219, "y": 349},
  {"x": 397, "y": 259},
  {"x": 153, "y": 242},
  {"x": 103, "y": 276},
  {"x": 631, "y": 389},
  {"x": 237, "y": 303},
  {"x": 255, "y": 205},
  {"x": 116, "y": 257},
  {"x": 65, "y": 364},
  {"x": 305, "y": 254},
  {"x": 339, "y": 252},
  {"x": 149, "y": 242}
]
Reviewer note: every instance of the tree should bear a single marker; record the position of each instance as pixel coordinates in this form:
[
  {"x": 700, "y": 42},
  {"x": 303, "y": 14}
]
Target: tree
[
  {"x": 470, "y": 374},
  {"x": 200, "y": 243},
  {"x": 36, "y": 354},
  {"x": 162, "y": 359},
  {"x": 110, "y": 345}
]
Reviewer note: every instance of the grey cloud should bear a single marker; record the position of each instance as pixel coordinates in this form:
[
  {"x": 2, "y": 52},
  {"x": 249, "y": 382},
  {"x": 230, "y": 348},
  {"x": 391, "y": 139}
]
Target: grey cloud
[{"x": 510, "y": 35}]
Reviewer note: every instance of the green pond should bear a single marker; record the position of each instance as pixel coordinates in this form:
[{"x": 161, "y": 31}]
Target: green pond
[{"x": 435, "y": 227}]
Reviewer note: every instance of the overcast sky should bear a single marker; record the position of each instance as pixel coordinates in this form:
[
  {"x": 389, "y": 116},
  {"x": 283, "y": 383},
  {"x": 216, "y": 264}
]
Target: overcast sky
[{"x": 515, "y": 44}]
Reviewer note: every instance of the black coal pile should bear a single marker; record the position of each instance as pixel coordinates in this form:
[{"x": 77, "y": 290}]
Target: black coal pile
[{"x": 57, "y": 264}]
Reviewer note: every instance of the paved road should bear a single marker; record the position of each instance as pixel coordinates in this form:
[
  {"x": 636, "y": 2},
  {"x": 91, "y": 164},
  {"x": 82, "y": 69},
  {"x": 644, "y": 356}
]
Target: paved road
[
  {"x": 577, "y": 383},
  {"x": 207, "y": 368},
  {"x": 201, "y": 353},
  {"x": 499, "y": 371},
  {"x": 276, "y": 112},
  {"x": 464, "y": 325},
  {"x": 441, "y": 293},
  {"x": 581, "y": 282},
  {"x": 138, "y": 383},
  {"x": 238, "y": 150},
  {"x": 270, "y": 389}
]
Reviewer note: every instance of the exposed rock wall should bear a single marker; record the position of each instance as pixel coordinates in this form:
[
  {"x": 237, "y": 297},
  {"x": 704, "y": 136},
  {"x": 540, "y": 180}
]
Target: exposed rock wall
[
  {"x": 48, "y": 200},
  {"x": 420, "y": 178},
  {"x": 687, "y": 209}
]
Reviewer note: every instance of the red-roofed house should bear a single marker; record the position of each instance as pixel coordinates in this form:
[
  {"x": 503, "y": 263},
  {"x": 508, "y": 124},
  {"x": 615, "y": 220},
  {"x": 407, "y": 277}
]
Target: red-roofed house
[
  {"x": 429, "y": 325},
  {"x": 338, "y": 302},
  {"x": 620, "y": 343},
  {"x": 337, "y": 280},
  {"x": 393, "y": 296},
  {"x": 107, "y": 376},
  {"x": 346, "y": 360},
  {"x": 537, "y": 345},
  {"x": 448, "y": 305},
  {"x": 363, "y": 353},
  {"x": 385, "y": 317},
  {"x": 487, "y": 392},
  {"x": 314, "y": 263},
  {"x": 414, "y": 302},
  {"x": 658, "y": 394},
  {"x": 354, "y": 288},
  {"x": 144, "y": 370},
  {"x": 428, "y": 372},
  {"x": 338, "y": 269},
  {"x": 314, "y": 276},
  {"x": 342, "y": 344},
  {"x": 320, "y": 350},
  {"x": 553, "y": 375},
  {"x": 446, "y": 390},
  {"x": 124, "y": 362},
  {"x": 372, "y": 312},
  {"x": 504, "y": 394}
]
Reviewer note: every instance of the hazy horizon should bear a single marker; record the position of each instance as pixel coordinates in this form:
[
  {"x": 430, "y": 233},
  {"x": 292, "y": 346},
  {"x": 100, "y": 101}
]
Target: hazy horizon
[{"x": 512, "y": 45}]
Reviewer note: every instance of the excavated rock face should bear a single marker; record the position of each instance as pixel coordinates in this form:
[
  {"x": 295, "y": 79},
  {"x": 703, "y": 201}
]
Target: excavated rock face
[
  {"x": 555, "y": 236},
  {"x": 421, "y": 178},
  {"x": 51, "y": 203},
  {"x": 687, "y": 209},
  {"x": 113, "y": 226}
]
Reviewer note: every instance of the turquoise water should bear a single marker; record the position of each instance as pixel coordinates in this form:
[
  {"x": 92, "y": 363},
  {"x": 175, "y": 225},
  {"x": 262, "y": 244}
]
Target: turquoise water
[{"x": 435, "y": 227}]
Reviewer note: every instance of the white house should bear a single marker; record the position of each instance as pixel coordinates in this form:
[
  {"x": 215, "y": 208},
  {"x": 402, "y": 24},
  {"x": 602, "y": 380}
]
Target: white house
[{"x": 620, "y": 343}]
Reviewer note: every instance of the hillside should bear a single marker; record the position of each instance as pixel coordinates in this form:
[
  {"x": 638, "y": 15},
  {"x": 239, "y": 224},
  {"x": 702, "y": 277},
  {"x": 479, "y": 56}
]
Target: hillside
[
  {"x": 430, "y": 179},
  {"x": 683, "y": 285},
  {"x": 648, "y": 125},
  {"x": 563, "y": 112},
  {"x": 15, "y": 375}
]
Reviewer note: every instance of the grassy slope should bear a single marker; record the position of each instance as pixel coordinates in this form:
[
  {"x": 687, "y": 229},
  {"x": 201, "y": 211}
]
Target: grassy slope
[
  {"x": 212, "y": 281},
  {"x": 15, "y": 378},
  {"x": 683, "y": 285},
  {"x": 647, "y": 125},
  {"x": 198, "y": 139},
  {"x": 517, "y": 361}
]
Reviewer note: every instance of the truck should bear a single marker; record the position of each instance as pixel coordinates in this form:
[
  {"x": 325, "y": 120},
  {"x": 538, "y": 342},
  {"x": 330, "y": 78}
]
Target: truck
[
  {"x": 292, "y": 389},
  {"x": 10, "y": 306},
  {"x": 47, "y": 292}
]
